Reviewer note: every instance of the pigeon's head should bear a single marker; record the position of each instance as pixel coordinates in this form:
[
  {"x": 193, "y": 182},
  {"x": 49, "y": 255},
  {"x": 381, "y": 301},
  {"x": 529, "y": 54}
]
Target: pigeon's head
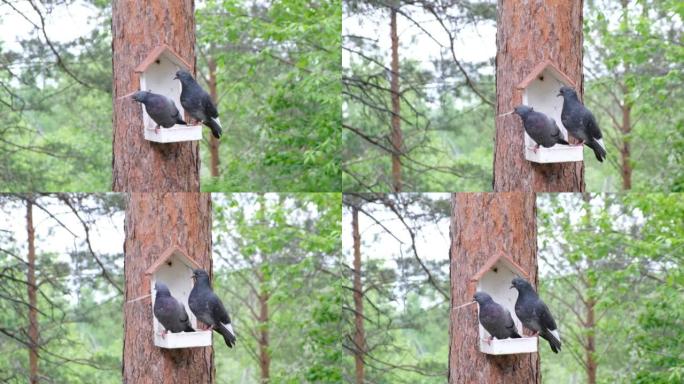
[
  {"x": 482, "y": 297},
  {"x": 183, "y": 76},
  {"x": 140, "y": 96},
  {"x": 520, "y": 284},
  {"x": 567, "y": 92},
  {"x": 522, "y": 110},
  {"x": 161, "y": 288},
  {"x": 200, "y": 275}
]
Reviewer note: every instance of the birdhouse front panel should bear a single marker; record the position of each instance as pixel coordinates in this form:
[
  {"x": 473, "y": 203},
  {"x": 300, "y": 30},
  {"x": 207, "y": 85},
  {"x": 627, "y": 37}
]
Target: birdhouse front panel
[
  {"x": 540, "y": 93},
  {"x": 176, "y": 272},
  {"x": 156, "y": 75},
  {"x": 497, "y": 283}
]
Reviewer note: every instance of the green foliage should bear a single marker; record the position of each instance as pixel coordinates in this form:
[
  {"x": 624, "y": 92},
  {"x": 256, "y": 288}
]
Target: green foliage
[
  {"x": 56, "y": 133},
  {"x": 275, "y": 252},
  {"x": 279, "y": 87},
  {"x": 624, "y": 253}
]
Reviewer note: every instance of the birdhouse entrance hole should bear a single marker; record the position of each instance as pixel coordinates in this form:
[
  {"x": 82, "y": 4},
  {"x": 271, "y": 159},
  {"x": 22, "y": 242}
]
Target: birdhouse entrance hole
[
  {"x": 174, "y": 268},
  {"x": 539, "y": 91},
  {"x": 156, "y": 74},
  {"x": 495, "y": 278}
]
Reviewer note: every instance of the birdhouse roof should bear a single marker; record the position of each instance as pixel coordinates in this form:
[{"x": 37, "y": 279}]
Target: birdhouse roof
[
  {"x": 162, "y": 50},
  {"x": 492, "y": 261},
  {"x": 167, "y": 255},
  {"x": 539, "y": 68}
]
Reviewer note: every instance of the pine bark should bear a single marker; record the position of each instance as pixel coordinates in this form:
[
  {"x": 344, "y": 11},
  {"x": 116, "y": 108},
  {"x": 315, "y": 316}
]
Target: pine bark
[
  {"x": 482, "y": 225},
  {"x": 396, "y": 134},
  {"x": 33, "y": 333},
  {"x": 264, "y": 340},
  {"x": 140, "y": 165},
  {"x": 155, "y": 222},
  {"x": 529, "y": 32},
  {"x": 359, "y": 334}
]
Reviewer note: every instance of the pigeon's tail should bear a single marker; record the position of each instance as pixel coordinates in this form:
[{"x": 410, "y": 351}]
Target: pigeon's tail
[
  {"x": 180, "y": 121},
  {"x": 552, "y": 339},
  {"x": 599, "y": 151},
  {"x": 215, "y": 126},
  {"x": 562, "y": 141},
  {"x": 515, "y": 335},
  {"x": 226, "y": 330},
  {"x": 188, "y": 328}
]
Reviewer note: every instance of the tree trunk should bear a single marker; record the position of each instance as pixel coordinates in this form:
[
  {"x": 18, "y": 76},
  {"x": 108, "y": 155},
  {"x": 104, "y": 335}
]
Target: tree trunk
[
  {"x": 529, "y": 32},
  {"x": 359, "y": 335},
  {"x": 264, "y": 353},
  {"x": 33, "y": 334},
  {"x": 482, "y": 225},
  {"x": 396, "y": 136},
  {"x": 213, "y": 142},
  {"x": 590, "y": 353},
  {"x": 154, "y": 222},
  {"x": 140, "y": 165}
]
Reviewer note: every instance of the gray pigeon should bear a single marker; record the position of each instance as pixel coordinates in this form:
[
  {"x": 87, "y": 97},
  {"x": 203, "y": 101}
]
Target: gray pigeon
[
  {"x": 495, "y": 318},
  {"x": 198, "y": 103},
  {"x": 208, "y": 308},
  {"x": 169, "y": 312},
  {"x": 160, "y": 108},
  {"x": 580, "y": 122},
  {"x": 534, "y": 314},
  {"x": 541, "y": 128}
]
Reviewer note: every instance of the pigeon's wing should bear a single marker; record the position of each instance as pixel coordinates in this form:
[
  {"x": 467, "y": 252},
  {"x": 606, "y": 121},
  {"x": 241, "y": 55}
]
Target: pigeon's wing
[
  {"x": 209, "y": 107},
  {"x": 218, "y": 311},
  {"x": 535, "y": 125},
  {"x": 592, "y": 126},
  {"x": 544, "y": 315}
]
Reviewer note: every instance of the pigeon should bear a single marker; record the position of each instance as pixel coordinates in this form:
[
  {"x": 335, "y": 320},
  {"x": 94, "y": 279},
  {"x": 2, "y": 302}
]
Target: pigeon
[
  {"x": 198, "y": 103},
  {"x": 495, "y": 318},
  {"x": 169, "y": 312},
  {"x": 160, "y": 108},
  {"x": 534, "y": 314},
  {"x": 208, "y": 308},
  {"x": 580, "y": 123},
  {"x": 541, "y": 128}
]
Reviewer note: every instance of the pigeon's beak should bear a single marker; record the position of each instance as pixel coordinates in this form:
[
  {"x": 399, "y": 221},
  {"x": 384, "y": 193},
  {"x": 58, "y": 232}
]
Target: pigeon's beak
[
  {"x": 512, "y": 286},
  {"x": 175, "y": 77},
  {"x": 559, "y": 94}
]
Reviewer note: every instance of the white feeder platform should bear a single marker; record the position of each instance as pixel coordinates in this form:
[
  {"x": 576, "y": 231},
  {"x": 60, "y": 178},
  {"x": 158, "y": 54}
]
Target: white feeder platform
[
  {"x": 156, "y": 75},
  {"x": 183, "y": 339},
  {"x": 509, "y": 346},
  {"x": 539, "y": 91},
  {"x": 174, "y": 134}
]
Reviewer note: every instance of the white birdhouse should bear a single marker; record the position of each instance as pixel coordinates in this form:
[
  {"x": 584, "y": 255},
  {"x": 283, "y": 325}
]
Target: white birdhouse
[
  {"x": 156, "y": 75},
  {"x": 539, "y": 91},
  {"x": 174, "y": 268},
  {"x": 495, "y": 278}
]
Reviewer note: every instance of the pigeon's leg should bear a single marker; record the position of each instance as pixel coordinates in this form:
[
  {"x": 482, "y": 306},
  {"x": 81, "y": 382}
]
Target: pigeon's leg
[
  {"x": 156, "y": 129},
  {"x": 489, "y": 339},
  {"x": 581, "y": 143},
  {"x": 163, "y": 334},
  {"x": 536, "y": 148}
]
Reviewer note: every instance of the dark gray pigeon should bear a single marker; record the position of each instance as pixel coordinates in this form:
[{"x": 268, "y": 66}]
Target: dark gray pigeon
[
  {"x": 494, "y": 318},
  {"x": 541, "y": 128},
  {"x": 208, "y": 307},
  {"x": 534, "y": 314},
  {"x": 198, "y": 103},
  {"x": 580, "y": 123},
  {"x": 169, "y": 312},
  {"x": 160, "y": 108}
]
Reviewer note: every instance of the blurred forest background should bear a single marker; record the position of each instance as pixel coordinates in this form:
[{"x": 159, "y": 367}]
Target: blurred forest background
[
  {"x": 442, "y": 137},
  {"x": 396, "y": 297},
  {"x": 70, "y": 289},
  {"x": 274, "y": 68},
  {"x": 612, "y": 272}
]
